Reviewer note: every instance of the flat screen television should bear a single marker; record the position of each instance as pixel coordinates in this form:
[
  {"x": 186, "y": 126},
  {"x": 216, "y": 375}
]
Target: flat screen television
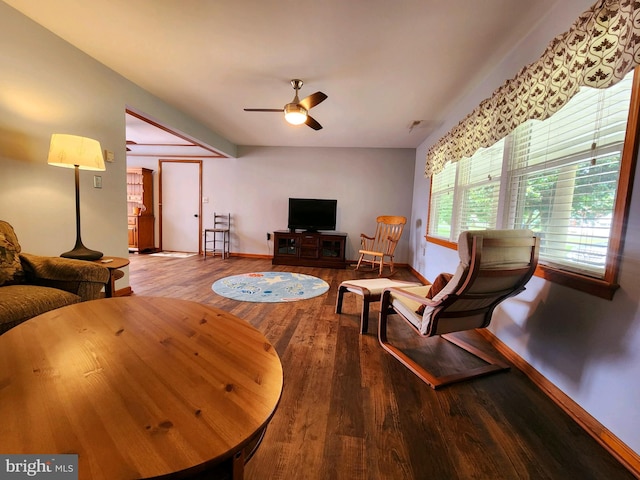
[{"x": 312, "y": 214}]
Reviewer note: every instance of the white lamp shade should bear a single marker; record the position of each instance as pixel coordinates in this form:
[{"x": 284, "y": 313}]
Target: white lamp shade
[{"x": 71, "y": 150}]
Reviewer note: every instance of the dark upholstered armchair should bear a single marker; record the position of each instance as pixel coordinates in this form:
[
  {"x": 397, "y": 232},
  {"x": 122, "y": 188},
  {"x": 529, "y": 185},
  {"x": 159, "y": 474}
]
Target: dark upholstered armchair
[{"x": 33, "y": 284}]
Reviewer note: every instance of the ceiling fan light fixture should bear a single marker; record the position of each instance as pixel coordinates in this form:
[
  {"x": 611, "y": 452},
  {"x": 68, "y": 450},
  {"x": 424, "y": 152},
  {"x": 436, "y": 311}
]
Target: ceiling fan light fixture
[{"x": 295, "y": 114}]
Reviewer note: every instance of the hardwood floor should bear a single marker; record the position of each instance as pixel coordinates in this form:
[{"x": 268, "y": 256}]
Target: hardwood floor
[{"x": 351, "y": 411}]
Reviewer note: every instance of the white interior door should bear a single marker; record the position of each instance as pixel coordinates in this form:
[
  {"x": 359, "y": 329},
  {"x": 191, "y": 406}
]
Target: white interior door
[{"x": 180, "y": 205}]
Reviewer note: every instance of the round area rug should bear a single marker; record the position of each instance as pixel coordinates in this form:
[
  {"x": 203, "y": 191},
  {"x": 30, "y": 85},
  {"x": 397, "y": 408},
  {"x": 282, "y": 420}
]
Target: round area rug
[{"x": 270, "y": 287}]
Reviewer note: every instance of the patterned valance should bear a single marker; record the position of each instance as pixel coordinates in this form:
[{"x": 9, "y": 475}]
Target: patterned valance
[{"x": 599, "y": 49}]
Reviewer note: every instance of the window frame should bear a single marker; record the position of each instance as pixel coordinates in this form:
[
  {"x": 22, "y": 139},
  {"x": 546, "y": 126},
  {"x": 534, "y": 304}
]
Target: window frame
[{"x": 605, "y": 287}]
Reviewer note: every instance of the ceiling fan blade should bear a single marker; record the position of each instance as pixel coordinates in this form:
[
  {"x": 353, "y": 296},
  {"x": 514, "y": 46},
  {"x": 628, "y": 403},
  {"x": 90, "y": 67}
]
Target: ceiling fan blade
[
  {"x": 313, "y": 100},
  {"x": 313, "y": 123},
  {"x": 264, "y": 110}
]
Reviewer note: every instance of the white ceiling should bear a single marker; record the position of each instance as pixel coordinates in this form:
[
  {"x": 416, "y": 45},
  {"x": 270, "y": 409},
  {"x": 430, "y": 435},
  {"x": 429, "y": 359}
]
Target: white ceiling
[{"x": 383, "y": 64}]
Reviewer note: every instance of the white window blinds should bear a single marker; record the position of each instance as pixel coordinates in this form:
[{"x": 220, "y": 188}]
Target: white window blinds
[
  {"x": 479, "y": 189},
  {"x": 564, "y": 174},
  {"x": 441, "y": 205}
]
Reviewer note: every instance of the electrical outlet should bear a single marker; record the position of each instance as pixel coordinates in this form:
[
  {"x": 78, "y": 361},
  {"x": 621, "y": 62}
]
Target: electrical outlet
[{"x": 268, "y": 236}]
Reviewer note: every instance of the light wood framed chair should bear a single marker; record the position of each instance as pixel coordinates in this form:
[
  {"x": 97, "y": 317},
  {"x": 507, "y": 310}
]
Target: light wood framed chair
[
  {"x": 374, "y": 250},
  {"x": 494, "y": 265}
]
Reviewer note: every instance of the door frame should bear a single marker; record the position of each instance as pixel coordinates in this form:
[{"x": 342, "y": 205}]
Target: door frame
[{"x": 160, "y": 163}]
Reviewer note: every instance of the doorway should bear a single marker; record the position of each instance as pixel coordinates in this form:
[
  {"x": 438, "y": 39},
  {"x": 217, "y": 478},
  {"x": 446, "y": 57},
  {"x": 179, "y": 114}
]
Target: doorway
[
  {"x": 180, "y": 205},
  {"x": 148, "y": 142}
]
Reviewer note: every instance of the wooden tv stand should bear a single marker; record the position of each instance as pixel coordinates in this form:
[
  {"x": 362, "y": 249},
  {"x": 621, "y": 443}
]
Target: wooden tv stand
[{"x": 309, "y": 249}]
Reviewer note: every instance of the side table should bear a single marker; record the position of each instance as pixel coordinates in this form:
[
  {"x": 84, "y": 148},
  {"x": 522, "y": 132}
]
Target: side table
[{"x": 114, "y": 264}]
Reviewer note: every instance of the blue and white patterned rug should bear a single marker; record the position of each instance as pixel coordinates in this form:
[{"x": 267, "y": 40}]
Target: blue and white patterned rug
[{"x": 270, "y": 287}]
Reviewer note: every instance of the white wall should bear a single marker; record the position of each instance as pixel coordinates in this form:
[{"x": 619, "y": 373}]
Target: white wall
[
  {"x": 256, "y": 186},
  {"x": 586, "y": 346}
]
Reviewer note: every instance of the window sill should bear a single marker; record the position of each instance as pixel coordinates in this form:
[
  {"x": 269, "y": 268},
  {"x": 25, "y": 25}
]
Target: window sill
[{"x": 592, "y": 286}]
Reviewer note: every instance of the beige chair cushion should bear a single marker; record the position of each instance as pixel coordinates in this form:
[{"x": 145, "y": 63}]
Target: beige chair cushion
[
  {"x": 408, "y": 307},
  {"x": 496, "y": 257},
  {"x": 375, "y": 286},
  {"x": 491, "y": 258}
]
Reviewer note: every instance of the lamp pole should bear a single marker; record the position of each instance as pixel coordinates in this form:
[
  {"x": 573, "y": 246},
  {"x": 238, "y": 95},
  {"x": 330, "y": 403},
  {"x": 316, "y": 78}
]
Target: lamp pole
[{"x": 79, "y": 251}]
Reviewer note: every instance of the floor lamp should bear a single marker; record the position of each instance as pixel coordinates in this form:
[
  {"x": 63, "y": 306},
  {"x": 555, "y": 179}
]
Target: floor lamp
[{"x": 79, "y": 153}]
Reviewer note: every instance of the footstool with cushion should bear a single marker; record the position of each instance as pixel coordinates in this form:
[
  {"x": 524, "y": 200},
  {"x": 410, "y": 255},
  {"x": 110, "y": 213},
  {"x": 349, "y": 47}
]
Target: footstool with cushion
[{"x": 370, "y": 290}]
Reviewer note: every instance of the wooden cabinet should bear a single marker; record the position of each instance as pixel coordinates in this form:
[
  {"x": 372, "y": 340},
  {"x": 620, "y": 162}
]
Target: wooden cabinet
[
  {"x": 140, "y": 209},
  {"x": 309, "y": 249},
  {"x": 141, "y": 236}
]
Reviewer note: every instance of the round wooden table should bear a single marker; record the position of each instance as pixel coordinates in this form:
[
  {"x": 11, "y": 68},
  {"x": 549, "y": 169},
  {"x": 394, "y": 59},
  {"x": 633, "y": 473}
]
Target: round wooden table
[{"x": 138, "y": 387}]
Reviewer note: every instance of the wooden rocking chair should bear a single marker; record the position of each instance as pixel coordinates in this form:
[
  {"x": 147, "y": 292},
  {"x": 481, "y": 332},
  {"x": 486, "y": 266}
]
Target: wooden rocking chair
[
  {"x": 494, "y": 265},
  {"x": 383, "y": 243}
]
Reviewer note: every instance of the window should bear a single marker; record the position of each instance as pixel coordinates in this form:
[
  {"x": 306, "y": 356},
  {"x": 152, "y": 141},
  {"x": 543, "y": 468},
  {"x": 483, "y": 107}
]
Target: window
[{"x": 565, "y": 178}]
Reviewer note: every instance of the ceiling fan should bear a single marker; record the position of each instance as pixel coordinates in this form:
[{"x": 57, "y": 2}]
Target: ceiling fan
[{"x": 297, "y": 112}]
